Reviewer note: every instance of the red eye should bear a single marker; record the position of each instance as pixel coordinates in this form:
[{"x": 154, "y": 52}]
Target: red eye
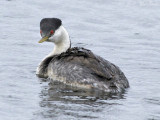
[
  {"x": 41, "y": 31},
  {"x": 51, "y": 32}
]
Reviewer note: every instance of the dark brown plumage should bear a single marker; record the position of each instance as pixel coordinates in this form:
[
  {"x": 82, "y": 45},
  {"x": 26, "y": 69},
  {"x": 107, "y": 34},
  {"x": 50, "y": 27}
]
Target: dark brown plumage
[{"x": 81, "y": 68}]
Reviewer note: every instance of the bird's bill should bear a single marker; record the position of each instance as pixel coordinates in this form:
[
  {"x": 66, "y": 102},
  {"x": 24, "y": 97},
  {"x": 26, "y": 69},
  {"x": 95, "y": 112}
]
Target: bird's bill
[{"x": 43, "y": 39}]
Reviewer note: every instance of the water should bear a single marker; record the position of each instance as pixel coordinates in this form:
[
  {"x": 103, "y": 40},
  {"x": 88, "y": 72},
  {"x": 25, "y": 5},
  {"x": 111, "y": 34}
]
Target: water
[{"x": 124, "y": 32}]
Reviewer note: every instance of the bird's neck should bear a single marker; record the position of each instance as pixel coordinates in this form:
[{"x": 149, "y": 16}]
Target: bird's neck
[{"x": 64, "y": 44}]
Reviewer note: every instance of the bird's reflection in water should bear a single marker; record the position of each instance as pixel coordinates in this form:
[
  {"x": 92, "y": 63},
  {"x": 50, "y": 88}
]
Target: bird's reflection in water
[{"x": 59, "y": 100}]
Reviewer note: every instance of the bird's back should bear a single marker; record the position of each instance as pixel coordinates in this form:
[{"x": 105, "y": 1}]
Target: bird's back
[{"x": 81, "y": 68}]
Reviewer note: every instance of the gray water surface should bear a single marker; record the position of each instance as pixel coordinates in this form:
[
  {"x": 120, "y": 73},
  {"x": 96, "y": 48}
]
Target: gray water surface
[{"x": 125, "y": 32}]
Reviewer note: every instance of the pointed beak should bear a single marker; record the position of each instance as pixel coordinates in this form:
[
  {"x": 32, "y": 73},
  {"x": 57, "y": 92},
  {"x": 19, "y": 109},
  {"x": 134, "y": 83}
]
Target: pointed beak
[{"x": 43, "y": 39}]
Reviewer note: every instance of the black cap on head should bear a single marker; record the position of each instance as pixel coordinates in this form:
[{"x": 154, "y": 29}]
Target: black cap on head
[{"x": 48, "y": 24}]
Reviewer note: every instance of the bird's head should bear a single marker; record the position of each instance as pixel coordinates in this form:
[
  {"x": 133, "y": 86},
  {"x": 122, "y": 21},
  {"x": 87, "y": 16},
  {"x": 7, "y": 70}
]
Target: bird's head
[{"x": 50, "y": 30}]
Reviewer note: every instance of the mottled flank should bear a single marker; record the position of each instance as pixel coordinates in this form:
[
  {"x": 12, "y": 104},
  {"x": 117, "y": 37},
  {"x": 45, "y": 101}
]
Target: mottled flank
[{"x": 81, "y": 68}]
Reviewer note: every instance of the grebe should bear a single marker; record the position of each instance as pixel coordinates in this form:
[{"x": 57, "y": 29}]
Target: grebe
[{"x": 78, "y": 67}]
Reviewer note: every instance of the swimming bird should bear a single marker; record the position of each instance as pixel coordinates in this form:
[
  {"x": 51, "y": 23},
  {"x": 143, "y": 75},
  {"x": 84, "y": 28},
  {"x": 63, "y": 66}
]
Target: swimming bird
[{"x": 77, "y": 66}]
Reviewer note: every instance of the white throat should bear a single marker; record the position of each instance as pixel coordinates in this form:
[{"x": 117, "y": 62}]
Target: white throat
[{"x": 61, "y": 41}]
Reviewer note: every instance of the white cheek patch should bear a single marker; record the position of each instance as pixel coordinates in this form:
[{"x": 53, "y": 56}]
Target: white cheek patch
[
  {"x": 56, "y": 37},
  {"x": 51, "y": 38}
]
